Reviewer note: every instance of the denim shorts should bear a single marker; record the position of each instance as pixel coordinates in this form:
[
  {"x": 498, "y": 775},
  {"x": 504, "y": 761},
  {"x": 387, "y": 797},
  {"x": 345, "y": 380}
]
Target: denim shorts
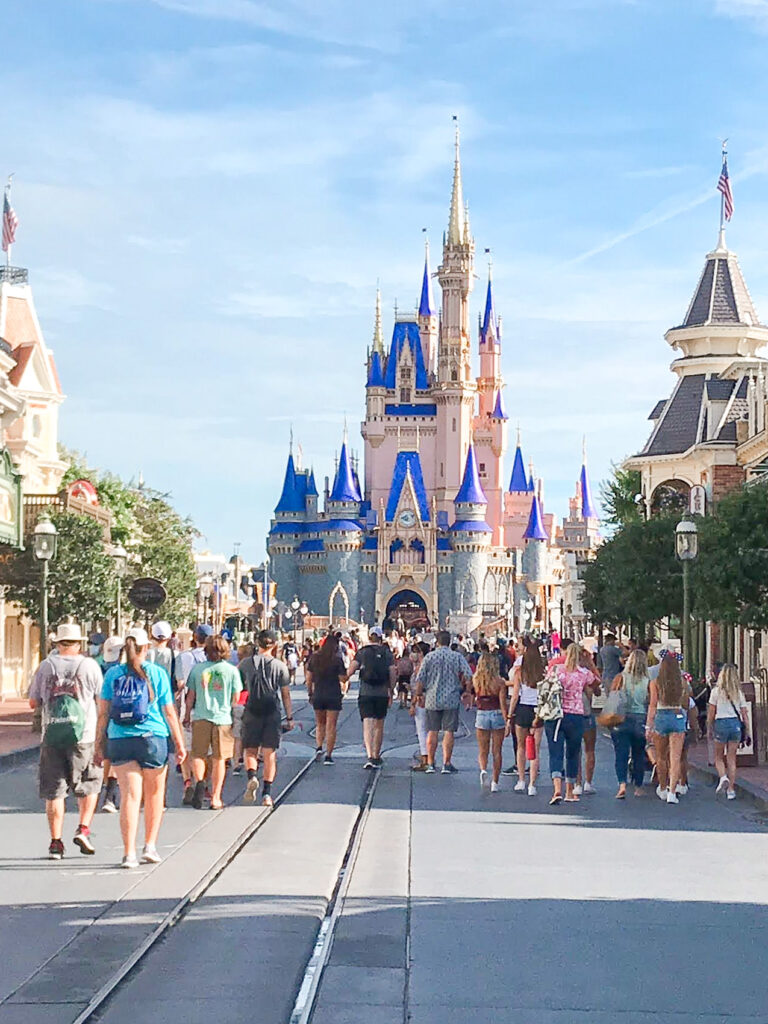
[
  {"x": 728, "y": 730},
  {"x": 149, "y": 751},
  {"x": 489, "y": 720},
  {"x": 668, "y": 721}
]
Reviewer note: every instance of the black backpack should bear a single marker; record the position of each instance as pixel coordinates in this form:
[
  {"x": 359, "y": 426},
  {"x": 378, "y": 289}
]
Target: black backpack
[
  {"x": 374, "y": 667},
  {"x": 263, "y": 698}
]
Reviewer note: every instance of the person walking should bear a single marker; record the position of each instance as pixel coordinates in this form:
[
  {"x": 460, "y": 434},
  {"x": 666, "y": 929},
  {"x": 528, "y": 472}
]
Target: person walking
[
  {"x": 136, "y": 716},
  {"x": 65, "y": 687},
  {"x": 290, "y": 656},
  {"x": 564, "y": 735},
  {"x": 629, "y": 736},
  {"x": 726, "y": 717},
  {"x": 267, "y": 681},
  {"x": 213, "y": 688},
  {"x": 490, "y": 698},
  {"x": 183, "y": 665},
  {"x": 444, "y": 677},
  {"x": 404, "y": 675},
  {"x": 522, "y": 713},
  {"x": 376, "y": 665},
  {"x": 515, "y": 653},
  {"x": 324, "y": 673},
  {"x": 112, "y": 652},
  {"x": 609, "y": 662},
  {"x": 417, "y": 710},
  {"x": 590, "y": 727},
  {"x": 666, "y": 719}
]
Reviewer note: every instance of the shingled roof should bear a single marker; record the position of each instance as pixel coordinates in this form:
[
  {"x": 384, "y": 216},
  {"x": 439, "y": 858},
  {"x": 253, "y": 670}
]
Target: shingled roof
[
  {"x": 721, "y": 296},
  {"x": 678, "y": 426}
]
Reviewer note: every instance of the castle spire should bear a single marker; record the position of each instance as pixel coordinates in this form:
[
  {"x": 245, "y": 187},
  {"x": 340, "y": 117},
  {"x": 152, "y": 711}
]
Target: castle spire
[
  {"x": 518, "y": 483},
  {"x": 345, "y": 487},
  {"x": 290, "y": 497},
  {"x": 378, "y": 337},
  {"x": 471, "y": 491},
  {"x": 457, "y": 219},
  {"x": 489, "y": 327},
  {"x": 426, "y": 302},
  {"x": 535, "y": 529},
  {"x": 588, "y": 510}
]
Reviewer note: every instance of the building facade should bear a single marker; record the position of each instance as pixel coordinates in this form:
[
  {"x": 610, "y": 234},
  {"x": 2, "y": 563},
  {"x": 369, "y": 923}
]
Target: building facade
[{"x": 427, "y": 528}]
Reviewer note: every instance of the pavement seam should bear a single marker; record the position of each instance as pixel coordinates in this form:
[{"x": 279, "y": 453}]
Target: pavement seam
[{"x": 407, "y": 985}]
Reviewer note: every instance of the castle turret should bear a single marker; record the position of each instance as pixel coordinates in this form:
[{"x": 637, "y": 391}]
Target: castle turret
[{"x": 427, "y": 317}]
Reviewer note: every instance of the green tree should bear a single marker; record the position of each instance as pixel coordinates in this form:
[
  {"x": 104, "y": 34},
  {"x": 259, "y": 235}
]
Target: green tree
[
  {"x": 635, "y": 577},
  {"x": 730, "y": 576},
  {"x": 617, "y": 496},
  {"x": 81, "y": 580}
]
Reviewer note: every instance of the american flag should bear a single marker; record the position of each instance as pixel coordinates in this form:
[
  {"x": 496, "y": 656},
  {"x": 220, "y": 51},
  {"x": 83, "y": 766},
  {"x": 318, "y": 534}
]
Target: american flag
[
  {"x": 723, "y": 187},
  {"x": 10, "y": 223}
]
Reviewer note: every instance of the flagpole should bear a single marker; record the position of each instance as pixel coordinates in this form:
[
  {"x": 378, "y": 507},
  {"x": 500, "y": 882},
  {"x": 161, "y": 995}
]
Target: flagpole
[
  {"x": 8, "y": 202},
  {"x": 722, "y": 194}
]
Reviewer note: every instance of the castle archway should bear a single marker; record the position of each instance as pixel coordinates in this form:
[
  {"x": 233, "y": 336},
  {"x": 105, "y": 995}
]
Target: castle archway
[{"x": 409, "y": 606}]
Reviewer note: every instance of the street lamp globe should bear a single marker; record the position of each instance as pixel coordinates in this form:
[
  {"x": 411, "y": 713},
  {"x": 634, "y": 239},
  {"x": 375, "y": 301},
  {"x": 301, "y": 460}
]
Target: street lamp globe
[
  {"x": 273, "y": 602},
  {"x": 120, "y": 557},
  {"x": 205, "y": 585},
  {"x": 686, "y": 540},
  {"x": 45, "y": 540},
  {"x": 288, "y": 614},
  {"x": 295, "y": 603},
  {"x": 304, "y": 608}
]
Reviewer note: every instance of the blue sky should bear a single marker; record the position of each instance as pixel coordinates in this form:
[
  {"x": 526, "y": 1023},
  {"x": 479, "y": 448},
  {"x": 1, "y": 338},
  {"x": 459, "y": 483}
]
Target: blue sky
[{"x": 208, "y": 190}]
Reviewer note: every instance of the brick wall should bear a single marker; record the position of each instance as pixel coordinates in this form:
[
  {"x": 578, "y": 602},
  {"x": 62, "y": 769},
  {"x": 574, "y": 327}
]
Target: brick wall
[{"x": 725, "y": 479}]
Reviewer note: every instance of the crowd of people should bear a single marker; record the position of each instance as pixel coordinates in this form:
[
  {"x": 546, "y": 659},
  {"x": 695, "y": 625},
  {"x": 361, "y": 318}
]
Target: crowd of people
[{"x": 114, "y": 718}]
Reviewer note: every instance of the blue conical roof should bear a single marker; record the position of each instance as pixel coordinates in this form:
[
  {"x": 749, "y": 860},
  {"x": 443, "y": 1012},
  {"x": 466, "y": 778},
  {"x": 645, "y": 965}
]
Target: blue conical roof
[
  {"x": 535, "y": 529},
  {"x": 531, "y": 484},
  {"x": 471, "y": 492},
  {"x": 291, "y": 499},
  {"x": 588, "y": 509},
  {"x": 311, "y": 485},
  {"x": 345, "y": 487},
  {"x": 499, "y": 412},
  {"x": 426, "y": 302},
  {"x": 375, "y": 371},
  {"x": 518, "y": 483},
  {"x": 489, "y": 328}
]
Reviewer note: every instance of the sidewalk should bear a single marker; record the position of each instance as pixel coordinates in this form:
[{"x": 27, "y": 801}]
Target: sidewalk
[
  {"x": 17, "y": 741},
  {"x": 751, "y": 783}
]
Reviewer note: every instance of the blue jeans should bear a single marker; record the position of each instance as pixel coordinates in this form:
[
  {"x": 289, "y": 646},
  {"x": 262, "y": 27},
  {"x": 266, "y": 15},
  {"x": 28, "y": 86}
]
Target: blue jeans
[
  {"x": 630, "y": 735},
  {"x": 728, "y": 730},
  {"x": 567, "y": 732}
]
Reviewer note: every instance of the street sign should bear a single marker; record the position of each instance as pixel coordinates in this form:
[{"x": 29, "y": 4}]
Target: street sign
[
  {"x": 147, "y": 594},
  {"x": 698, "y": 501}
]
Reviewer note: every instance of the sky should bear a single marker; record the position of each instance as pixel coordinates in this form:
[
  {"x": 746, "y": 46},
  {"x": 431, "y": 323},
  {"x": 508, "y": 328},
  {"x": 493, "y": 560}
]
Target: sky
[{"x": 209, "y": 190}]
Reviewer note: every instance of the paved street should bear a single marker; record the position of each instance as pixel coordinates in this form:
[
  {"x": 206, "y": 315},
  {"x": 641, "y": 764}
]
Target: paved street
[{"x": 461, "y": 905}]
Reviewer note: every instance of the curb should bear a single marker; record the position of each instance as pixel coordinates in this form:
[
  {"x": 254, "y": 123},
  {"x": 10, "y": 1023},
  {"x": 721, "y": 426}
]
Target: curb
[
  {"x": 753, "y": 794},
  {"x": 21, "y": 756}
]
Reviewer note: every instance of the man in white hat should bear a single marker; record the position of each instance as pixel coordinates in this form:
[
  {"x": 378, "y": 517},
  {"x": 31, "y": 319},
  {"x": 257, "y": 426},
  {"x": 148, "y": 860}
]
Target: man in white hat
[{"x": 66, "y": 686}]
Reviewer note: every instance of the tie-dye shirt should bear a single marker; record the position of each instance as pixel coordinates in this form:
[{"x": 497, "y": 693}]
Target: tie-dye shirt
[{"x": 573, "y": 684}]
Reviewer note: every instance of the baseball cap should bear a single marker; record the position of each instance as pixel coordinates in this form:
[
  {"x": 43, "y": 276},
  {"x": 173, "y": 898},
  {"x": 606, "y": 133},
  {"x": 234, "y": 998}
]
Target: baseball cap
[
  {"x": 161, "y": 630},
  {"x": 226, "y": 635},
  {"x": 96, "y": 638},
  {"x": 376, "y": 631},
  {"x": 138, "y": 635},
  {"x": 203, "y": 631},
  {"x": 267, "y": 637},
  {"x": 113, "y": 645}
]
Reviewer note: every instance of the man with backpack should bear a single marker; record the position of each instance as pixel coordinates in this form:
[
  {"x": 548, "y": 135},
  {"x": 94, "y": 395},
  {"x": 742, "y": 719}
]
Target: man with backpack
[
  {"x": 266, "y": 679},
  {"x": 378, "y": 677},
  {"x": 66, "y": 686}
]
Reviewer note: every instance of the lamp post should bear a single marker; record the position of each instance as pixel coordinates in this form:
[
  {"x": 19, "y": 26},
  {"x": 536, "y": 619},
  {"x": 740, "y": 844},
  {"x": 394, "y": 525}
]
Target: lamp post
[
  {"x": 45, "y": 543},
  {"x": 120, "y": 557},
  {"x": 507, "y": 608},
  {"x": 205, "y": 588},
  {"x": 304, "y": 609},
  {"x": 687, "y": 548},
  {"x": 295, "y": 605}
]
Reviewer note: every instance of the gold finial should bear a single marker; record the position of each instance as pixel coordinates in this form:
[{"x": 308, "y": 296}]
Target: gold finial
[{"x": 378, "y": 337}]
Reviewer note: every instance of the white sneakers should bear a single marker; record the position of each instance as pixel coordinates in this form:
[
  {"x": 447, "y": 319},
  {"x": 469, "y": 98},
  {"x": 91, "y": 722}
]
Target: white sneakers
[
  {"x": 672, "y": 797},
  {"x": 588, "y": 788},
  {"x": 578, "y": 790},
  {"x": 731, "y": 794},
  {"x": 681, "y": 788},
  {"x": 531, "y": 790},
  {"x": 520, "y": 786},
  {"x": 483, "y": 778},
  {"x": 722, "y": 784},
  {"x": 494, "y": 787},
  {"x": 662, "y": 794}
]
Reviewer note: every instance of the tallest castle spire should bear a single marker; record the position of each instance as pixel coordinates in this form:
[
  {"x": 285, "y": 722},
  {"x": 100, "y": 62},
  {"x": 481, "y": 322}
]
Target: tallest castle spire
[{"x": 456, "y": 218}]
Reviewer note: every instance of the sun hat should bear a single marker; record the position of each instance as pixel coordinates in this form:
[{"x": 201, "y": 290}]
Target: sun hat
[
  {"x": 375, "y": 631},
  {"x": 68, "y": 633}
]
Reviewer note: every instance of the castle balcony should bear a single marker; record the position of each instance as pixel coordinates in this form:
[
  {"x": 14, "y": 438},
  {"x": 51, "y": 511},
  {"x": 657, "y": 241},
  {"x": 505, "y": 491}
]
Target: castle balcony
[
  {"x": 412, "y": 570},
  {"x": 14, "y": 275}
]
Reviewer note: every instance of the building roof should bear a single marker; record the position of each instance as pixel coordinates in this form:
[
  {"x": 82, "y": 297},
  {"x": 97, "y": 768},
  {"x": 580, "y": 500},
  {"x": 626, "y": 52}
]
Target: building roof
[
  {"x": 406, "y": 333},
  {"x": 291, "y": 498},
  {"x": 719, "y": 390},
  {"x": 499, "y": 412},
  {"x": 518, "y": 483},
  {"x": 657, "y": 410},
  {"x": 404, "y": 463},
  {"x": 471, "y": 491},
  {"x": 375, "y": 371},
  {"x": 311, "y": 485},
  {"x": 535, "y": 528},
  {"x": 426, "y": 301},
  {"x": 444, "y": 544},
  {"x": 336, "y": 525},
  {"x": 428, "y": 409},
  {"x": 489, "y": 328},
  {"x": 677, "y": 428},
  {"x": 587, "y": 504},
  {"x": 311, "y": 545},
  {"x": 721, "y": 296},
  {"x": 470, "y": 526},
  {"x": 370, "y": 543},
  {"x": 345, "y": 486}
]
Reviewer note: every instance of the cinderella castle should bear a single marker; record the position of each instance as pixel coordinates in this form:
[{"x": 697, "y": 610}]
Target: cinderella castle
[{"x": 430, "y": 529}]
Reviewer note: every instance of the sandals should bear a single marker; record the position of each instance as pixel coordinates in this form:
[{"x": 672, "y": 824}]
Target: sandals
[
  {"x": 621, "y": 795},
  {"x": 556, "y": 799}
]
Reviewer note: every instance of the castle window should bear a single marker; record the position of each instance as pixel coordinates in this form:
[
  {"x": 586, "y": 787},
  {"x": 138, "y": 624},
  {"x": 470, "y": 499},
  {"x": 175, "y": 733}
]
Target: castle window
[
  {"x": 405, "y": 375},
  {"x": 405, "y": 395},
  {"x": 454, "y": 424},
  {"x": 482, "y": 469},
  {"x": 454, "y": 375}
]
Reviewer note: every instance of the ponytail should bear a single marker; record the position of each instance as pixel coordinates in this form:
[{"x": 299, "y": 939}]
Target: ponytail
[{"x": 134, "y": 658}]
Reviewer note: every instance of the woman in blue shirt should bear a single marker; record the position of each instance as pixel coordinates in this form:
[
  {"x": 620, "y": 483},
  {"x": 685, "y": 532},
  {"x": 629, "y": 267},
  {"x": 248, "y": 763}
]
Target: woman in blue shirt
[{"x": 139, "y": 693}]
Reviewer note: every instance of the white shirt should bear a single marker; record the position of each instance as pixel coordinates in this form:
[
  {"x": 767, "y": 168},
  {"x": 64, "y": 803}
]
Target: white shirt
[
  {"x": 723, "y": 704},
  {"x": 186, "y": 661}
]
